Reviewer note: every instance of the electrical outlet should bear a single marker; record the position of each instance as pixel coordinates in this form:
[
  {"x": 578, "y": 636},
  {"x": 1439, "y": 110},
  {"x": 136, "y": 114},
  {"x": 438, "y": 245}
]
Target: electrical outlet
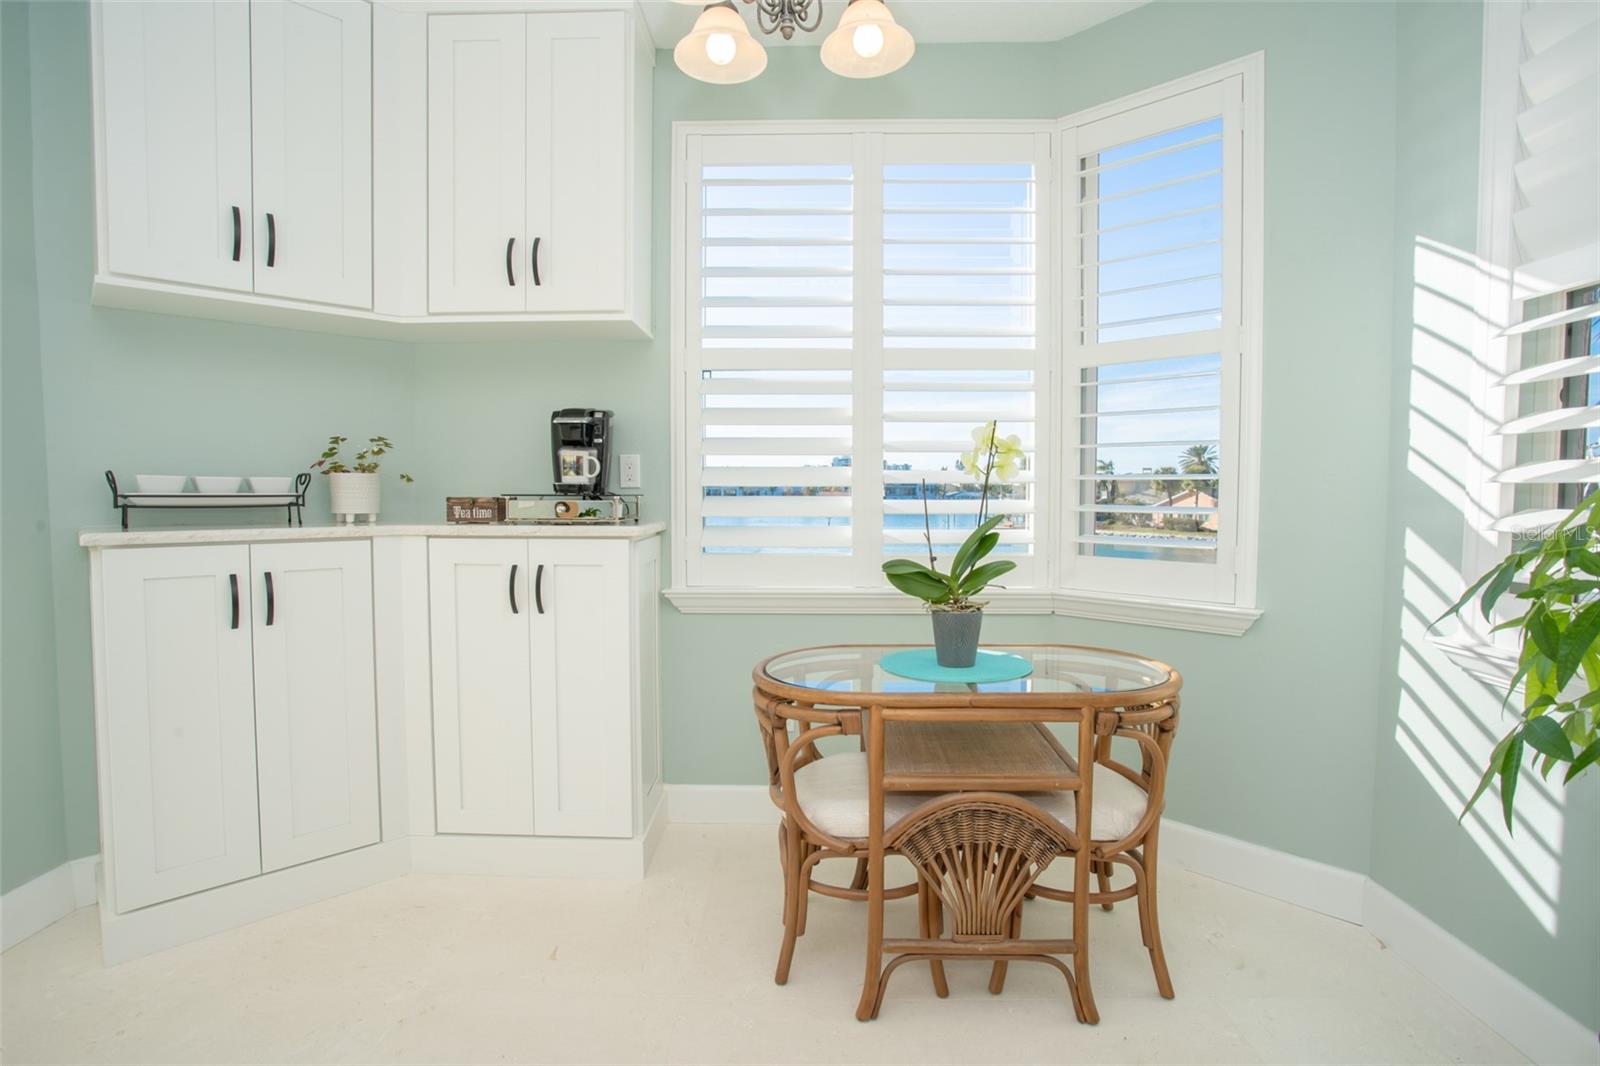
[{"x": 630, "y": 471}]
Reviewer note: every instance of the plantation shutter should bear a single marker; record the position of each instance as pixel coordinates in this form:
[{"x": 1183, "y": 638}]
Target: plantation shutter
[
  {"x": 1553, "y": 345},
  {"x": 961, "y": 341},
  {"x": 1152, "y": 346},
  {"x": 770, "y": 278}
]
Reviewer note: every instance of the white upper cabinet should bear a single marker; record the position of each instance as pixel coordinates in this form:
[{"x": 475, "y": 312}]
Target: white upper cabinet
[
  {"x": 177, "y": 721},
  {"x": 577, "y": 162},
  {"x": 477, "y": 148},
  {"x": 316, "y": 709},
  {"x": 536, "y": 182},
  {"x": 413, "y": 170},
  {"x": 175, "y": 151},
  {"x": 311, "y": 108}
]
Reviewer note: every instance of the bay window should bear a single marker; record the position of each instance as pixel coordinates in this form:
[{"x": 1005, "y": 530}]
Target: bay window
[{"x": 852, "y": 300}]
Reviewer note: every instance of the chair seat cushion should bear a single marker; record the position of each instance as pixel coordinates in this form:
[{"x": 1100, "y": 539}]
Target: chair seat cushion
[
  {"x": 1118, "y": 804},
  {"x": 833, "y": 793}
]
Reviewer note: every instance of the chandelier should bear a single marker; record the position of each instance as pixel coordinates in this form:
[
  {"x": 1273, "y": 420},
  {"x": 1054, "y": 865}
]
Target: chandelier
[{"x": 867, "y": 43}]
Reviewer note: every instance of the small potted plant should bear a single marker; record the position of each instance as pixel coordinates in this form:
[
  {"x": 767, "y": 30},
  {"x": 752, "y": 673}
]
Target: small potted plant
[
  {"x": 957, "y": 617},
  {"x": 353, "y": 488}
]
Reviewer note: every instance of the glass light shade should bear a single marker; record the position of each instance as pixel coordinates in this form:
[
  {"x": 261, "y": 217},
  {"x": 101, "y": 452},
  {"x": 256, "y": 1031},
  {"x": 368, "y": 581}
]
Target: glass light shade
[
  {"x": 720, "y": 49},
  {"x": 868, "y": 42}
]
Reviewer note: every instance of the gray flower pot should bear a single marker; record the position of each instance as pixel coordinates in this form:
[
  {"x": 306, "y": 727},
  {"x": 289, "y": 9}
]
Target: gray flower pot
[{"x": 955, "y": 637}]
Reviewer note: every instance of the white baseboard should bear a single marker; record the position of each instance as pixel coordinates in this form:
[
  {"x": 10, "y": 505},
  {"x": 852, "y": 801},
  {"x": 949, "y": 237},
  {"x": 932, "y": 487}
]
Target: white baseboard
[
  {"x": 1538, "y": 1028},
  {"x": 179, "y": 921},
  {"x": 1532, "y": 1024},
  {"x": 46, "y": 899},
  {"x": 1304, "y": 882}
]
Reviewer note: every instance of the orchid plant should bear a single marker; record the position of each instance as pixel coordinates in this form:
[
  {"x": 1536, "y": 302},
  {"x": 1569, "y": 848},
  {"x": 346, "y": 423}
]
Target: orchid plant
[{"x": 992, "y": 458}]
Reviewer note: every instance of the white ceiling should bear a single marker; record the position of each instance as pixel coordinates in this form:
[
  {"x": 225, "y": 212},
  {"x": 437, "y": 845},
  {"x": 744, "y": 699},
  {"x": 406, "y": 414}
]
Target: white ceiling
[{"x": 930, "y": 21}]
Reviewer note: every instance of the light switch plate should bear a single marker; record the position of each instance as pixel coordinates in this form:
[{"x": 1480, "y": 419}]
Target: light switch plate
[{"x": 630, "y": 472}]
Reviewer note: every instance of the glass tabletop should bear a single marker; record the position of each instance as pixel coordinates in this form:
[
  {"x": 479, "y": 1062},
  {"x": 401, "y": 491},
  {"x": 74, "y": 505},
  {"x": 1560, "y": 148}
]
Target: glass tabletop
[{"x": 1057, "y": 668}]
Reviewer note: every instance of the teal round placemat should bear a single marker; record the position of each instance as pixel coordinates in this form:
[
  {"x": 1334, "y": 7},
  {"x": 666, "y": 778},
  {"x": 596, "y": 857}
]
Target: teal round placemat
[{"x": 921, "y": 664}]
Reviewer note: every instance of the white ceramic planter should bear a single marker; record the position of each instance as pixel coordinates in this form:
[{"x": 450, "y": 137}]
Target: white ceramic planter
[{"x": 352, "y": 496}]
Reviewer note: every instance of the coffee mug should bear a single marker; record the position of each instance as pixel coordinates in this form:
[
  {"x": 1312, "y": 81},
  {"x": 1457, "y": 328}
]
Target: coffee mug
[{"x": 578, "y": 466}]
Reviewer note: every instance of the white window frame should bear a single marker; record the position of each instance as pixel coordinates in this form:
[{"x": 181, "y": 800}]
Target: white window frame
[
  {"x": 1052, "y": 592},
  {"x": 1501, "y": 301}
]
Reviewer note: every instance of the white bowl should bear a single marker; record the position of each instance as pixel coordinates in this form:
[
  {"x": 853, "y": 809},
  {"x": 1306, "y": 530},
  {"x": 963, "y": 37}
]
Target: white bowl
[
  {"x": 275, "y": 486},
  {"x": 161, "y": 482},
  {"x": 204, "y": 483}
]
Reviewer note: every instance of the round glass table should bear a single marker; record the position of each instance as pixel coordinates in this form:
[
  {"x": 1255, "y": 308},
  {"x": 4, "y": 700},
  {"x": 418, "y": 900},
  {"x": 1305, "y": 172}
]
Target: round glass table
[
  {"x": 1061, "y": 675},
  {"x": 953, "y": 769}
]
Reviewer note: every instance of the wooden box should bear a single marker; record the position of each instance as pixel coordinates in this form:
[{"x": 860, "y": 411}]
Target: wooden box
[{"x": 468, "y": 510}]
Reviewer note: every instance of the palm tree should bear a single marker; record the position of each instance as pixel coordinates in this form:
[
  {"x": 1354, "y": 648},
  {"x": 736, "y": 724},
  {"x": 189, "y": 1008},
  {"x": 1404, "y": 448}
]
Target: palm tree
[
  {"x": 1200, "y": 459},
  {"x": 1106, "y": 491}
]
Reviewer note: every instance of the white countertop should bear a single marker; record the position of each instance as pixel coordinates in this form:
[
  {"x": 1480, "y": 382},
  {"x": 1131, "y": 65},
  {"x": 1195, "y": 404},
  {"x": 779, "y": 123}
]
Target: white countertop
[{"x": 134, "y": 538}]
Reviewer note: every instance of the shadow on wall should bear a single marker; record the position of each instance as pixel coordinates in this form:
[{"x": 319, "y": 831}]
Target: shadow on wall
[{"x": 1447, "y": 728}]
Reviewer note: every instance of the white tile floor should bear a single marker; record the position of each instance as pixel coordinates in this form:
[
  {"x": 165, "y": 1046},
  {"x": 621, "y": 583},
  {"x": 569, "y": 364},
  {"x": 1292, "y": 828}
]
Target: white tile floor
[{"x": 678, "y": 968}]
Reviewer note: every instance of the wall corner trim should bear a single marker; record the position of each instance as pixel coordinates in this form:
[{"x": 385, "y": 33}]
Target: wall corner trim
[{"x": 1528, "y": 1021}]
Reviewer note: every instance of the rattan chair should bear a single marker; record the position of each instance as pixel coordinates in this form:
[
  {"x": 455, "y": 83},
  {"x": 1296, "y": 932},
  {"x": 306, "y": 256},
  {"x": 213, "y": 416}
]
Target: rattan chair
[
  {"x": 1119, "y": 840},
  {"x": 823, "y": 802}
]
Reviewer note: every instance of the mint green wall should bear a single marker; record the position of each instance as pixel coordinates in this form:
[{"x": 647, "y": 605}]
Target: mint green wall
[
  {"x": 1313, "y": 755},
  {"x": 1527, "y": 901},
  {"x": 32, "y": 825},
  {"x": 1295, "y": 712}
]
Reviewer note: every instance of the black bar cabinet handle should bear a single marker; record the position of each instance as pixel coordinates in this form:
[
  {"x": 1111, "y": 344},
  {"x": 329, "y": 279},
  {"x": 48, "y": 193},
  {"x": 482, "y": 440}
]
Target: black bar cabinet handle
[
  {"x": 511, "y": 278},
  {"x": 511, "y": 588},
  {"x": 238, "y": 232},
  {"x": 536, "y": 241},
  {"x": 233, "y": 587},
  {"x": 272, "y": 240},
  {"x": 538, "y": 588},
  {"x": 272, "y": 604}
]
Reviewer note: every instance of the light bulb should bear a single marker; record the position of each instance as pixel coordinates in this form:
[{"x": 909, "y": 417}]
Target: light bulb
[
  {"x": 721, "y": 48},
  {"x": 867, "y": 40}
]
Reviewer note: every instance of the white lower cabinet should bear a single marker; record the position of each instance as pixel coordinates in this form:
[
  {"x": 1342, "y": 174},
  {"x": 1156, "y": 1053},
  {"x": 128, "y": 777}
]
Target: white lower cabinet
[
  {"x": 267, "y": 737},
  {"x": 178, "y": 760},
  {"x": 482, "y": 686},
  {"x": 534, "y": 694},
  {"x": 237, "y": 713},
  {"x": 316, "y": 716}
]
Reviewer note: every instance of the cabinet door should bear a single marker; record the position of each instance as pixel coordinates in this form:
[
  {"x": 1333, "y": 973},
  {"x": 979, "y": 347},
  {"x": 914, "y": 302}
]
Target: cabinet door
[
  {"x": 179, "y": 719},
  {"x": 582, "y": 689},
  {"x": 477, "y": 187},
  {"x": 175, "y": 91},
  {"x": 316, "y": 713},
  {"x": 577, "y": 161},
  {"x": 480, "y": 606},
  {"x": 311, "y": 101}
]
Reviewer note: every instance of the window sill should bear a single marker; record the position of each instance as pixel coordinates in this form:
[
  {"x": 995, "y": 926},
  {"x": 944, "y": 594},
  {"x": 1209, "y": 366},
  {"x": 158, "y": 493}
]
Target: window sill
[{"x": 1218, "y": 618}]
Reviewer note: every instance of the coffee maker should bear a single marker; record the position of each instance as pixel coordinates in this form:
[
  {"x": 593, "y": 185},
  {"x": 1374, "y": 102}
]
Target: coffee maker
[{"x": 580, "y": 451}]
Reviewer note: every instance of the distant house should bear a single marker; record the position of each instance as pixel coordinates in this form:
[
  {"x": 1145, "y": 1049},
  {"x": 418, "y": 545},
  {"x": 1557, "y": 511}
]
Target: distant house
[{"x": 1189, "y": 498}]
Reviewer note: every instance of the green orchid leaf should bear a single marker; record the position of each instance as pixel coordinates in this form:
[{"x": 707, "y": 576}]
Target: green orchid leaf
[
  {"x": 910, "y": 566},
  {"x": 921, "y": 586},
  {"x": 970, "y": 546},
  {"x": 981, "y": 576}
]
